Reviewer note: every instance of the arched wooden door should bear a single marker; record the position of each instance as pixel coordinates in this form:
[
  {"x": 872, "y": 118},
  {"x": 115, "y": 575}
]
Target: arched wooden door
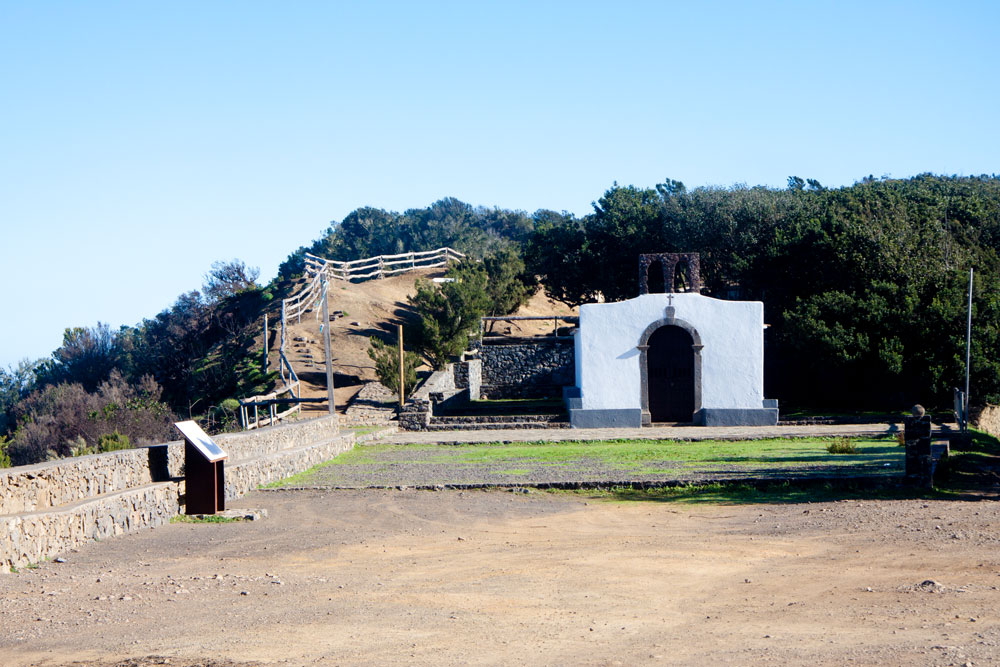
[{"x": 670, "y": 381}]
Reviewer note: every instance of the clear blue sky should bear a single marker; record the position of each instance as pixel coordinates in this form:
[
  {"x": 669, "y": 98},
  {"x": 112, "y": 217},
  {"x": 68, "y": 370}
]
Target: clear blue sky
[{"x": 141, "y": 141}]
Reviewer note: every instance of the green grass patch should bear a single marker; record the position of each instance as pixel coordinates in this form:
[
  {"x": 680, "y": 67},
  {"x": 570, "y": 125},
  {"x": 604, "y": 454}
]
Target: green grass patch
[
  {"x": 629, "y": 458},
  {"x": 640, "y": 453},
  {"x": 842, "y": 446}
]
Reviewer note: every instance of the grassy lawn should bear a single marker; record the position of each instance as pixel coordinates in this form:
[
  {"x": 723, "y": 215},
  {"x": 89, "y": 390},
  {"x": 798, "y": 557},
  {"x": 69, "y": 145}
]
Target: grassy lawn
[
  {"x": 619, "y": 459},
  {"x": 639, "y": 455}
]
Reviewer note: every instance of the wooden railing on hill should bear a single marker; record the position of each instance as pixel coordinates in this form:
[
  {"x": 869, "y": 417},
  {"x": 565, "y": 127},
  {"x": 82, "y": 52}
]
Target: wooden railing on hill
[
  {"x": 382, "y": 265},
  {"x": 321, "y": 270}
]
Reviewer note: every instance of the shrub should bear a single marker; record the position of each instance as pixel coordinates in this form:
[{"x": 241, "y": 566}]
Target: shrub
[
  {"x": 386, "y": 360},
  {"x": 4, "y": 456},
  {"x": 842, "y": 446},
  {"x": 110, "y": 442},
  {"x": 78, "y": 446}
]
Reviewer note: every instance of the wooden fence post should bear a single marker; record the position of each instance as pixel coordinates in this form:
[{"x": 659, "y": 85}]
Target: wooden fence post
[{"x": 402, "y": 373}]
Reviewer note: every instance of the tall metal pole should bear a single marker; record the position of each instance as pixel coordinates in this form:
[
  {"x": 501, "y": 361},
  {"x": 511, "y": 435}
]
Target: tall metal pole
[
  {"x": 968, "y": 355},
  {"x": 401, "y": 371},
  {"x": 326, "y": 348},
  {"x": 265, "y": 343}
]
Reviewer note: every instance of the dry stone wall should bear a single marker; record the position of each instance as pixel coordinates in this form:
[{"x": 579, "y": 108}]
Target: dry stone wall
[
  {"x": 526, "y": 370},
  {"x": 56, "y": 483},
  {"x": 48, "y": 508},
  {"x": 34, "y": 536},
  {"x": 988, "y": 420},
  {"x": 244, "y": 476},
  {"x": 374, "y": 405}
]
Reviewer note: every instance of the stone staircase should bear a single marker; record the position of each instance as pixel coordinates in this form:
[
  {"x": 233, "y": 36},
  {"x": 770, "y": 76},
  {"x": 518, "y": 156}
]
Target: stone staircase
[{"x": 493, "y": 422}]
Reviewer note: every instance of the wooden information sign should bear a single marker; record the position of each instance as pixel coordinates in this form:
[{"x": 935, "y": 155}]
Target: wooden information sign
[{"x": 204, "y": 471}]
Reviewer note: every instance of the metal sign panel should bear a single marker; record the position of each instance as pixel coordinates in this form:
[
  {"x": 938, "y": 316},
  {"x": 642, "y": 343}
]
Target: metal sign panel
[{"x": 197, "y": 437}]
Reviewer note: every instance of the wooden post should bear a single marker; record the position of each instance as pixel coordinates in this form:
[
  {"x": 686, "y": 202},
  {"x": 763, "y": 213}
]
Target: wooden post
[
  {"x": 968, "y": 357},
  {"x": 326, "y": 347},
  {"x": 402, "y": 373}
]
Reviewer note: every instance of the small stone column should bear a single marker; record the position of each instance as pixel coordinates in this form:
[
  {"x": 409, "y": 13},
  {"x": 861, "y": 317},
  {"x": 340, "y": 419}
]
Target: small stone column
[{"x": 919, "y": 462}]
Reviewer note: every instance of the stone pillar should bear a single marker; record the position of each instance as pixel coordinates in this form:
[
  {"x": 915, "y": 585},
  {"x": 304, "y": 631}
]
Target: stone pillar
[{"x": 919, "y": 462}]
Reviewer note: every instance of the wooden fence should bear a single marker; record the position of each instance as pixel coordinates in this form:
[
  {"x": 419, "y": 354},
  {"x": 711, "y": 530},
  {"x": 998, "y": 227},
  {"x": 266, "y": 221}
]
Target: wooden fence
[
  {"x": 382, "y": 265},
  {"x": 320, "y": 270}
]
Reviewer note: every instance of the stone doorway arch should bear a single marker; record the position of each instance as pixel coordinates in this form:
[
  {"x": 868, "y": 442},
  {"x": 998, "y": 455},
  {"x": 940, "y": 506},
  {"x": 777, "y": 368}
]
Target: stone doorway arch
[{"x": 670, "y": 364}]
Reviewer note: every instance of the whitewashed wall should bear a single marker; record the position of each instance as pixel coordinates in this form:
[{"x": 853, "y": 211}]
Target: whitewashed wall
[{"x": 732, "y": 332}]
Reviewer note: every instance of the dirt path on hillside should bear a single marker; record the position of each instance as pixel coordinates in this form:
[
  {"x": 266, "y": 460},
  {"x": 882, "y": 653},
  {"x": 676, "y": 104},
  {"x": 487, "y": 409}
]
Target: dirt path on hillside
[
  {"x": 411, "y": 577},
  {"x": 371, "y": 308}
]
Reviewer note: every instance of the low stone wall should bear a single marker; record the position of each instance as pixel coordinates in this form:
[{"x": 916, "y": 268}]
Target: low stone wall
[
  {"x": 244, "y": 476},
  {"x": 988, "y": 420},
  {"x": 48, "y": 508},
  {"x": 374, "y": 405},
  {"x": 286, "y": 435},
  {"x": 440, "y": 388},
  {"x": 34, "y": 536},
  {"x": 56, "y": 483},
  {"x": 526, "y": 370}
]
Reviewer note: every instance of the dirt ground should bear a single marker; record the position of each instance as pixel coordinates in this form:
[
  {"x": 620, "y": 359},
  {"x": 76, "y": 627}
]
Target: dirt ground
[{"x": 423, "y": 577}]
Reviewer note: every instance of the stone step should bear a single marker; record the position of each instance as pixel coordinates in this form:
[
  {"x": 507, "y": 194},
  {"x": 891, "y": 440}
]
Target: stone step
[
  {"x": 495, "y": 419},
  {"x": 498, "y": 426}
]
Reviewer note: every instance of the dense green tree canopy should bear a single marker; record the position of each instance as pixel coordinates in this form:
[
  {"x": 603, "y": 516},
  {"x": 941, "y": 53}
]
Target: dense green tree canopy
[{"x": 863, "y": 286}]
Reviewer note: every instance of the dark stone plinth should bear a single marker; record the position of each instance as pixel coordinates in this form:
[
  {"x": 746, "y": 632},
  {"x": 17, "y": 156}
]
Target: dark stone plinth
[{"x": 919, "y": 461}]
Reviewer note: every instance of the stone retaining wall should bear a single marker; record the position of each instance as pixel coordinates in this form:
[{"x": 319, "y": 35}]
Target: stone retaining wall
[
  {"x": 55, "y": 483},
  {"x": 988, "y": 420},
  {"x": 48, "y": 508},
  {"x": 65, "y": 481},
  {"x": 526, "y": 370},
  {"x": 34, "y": 536},
  {"x": 374, "y": 405},
  {"x": 244, "y": 476}
]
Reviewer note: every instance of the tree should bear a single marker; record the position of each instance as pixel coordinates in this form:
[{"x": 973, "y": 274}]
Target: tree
[
  {"x": 508, "y": 285},
  {"x": 87, "y": 355},
  {"x": 228, "y": 279},
  {"x": 386, "y": 358},
  {"x": 558, "y": 256},
  {"x": 15, "y": 383},
  {"x": 448, "y": 314}
]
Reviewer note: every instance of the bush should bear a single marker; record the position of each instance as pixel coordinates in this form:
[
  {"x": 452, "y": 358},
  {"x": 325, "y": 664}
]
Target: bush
[
  {"x": 842, "y": 446},
  {"x": 4, "y": 456},
  {"x": 78, "y": 447},
  {"x": 65, "y": 420},
  {"x": 386, "y": 360},
  {"x": 110, "y": 442}
]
